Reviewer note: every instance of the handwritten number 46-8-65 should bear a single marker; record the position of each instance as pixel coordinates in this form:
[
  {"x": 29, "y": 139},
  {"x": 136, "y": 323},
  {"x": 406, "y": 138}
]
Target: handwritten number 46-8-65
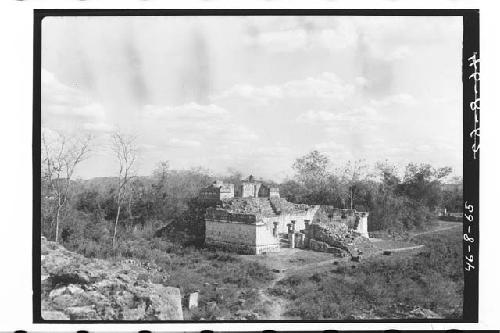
[{"x": 469, "y": 259}]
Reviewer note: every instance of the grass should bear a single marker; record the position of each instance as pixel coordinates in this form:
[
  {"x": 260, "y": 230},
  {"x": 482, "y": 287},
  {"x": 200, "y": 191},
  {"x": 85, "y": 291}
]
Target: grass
[
  {"x": 220, "y": 277},
  {"x": 384, "y": 287}
]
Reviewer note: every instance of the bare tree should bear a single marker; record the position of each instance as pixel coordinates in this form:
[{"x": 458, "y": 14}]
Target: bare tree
[
  {"x": 125, "y": 149},
  {"x": 351, "y": 174},
  {"x": 60, "y": 156}
]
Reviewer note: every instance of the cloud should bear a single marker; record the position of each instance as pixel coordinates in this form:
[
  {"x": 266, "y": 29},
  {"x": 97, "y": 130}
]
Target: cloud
[
  {"x": 317, "y": 117},
  {"x": 280, "y": 41},
  {"x": 399, "y": 100},
  {"x": 193, "y": 125},
  {"x": 302, "y": 36},
  {"x": 325, "y": 86},
  {"x": 64, "y": 106},
  {"x": 188, "y": 112},
  {"x": 175, "y": 142},
  {"x": 375, "y": 111}
]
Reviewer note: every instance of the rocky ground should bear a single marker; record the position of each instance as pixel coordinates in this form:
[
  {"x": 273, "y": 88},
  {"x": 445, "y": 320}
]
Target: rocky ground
[{"x": 78, "y": 288}]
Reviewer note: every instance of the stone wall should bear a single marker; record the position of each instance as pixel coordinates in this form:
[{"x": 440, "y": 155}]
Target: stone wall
[
  {"x": 217, "y": 191},
  {"x": 284, "y": 219},
  {"x": 266, "y": 191},
  {"x": 226, "y": 191},
  {"x": 274, "y": 192},
  {"x": 247, "y": 190},
  {"x": 223, "y": 215},
  {"x": 241, "y": 237},
  {"x": 234, "y": 233},
  {"x": 209, "y": 193},
  {"x": 362, "y": 224}
]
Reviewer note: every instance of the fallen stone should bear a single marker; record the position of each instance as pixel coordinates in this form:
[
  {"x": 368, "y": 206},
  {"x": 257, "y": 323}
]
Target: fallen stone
[
  {"x": 422, "y": 313},
  {"x": 211, "y": 306},
  {"x": 82, "y": 312},
  {"x": 78, "y": 288},
  {"x": 135, "y": 314},
  {"x": 193, "y": 301},
  {"x": 54, "y": 315}
]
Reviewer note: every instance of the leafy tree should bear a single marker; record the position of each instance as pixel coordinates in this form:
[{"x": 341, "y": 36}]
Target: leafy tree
[
  {"x": 422, "y": 184},
  {"x": 311, "y": 169}
]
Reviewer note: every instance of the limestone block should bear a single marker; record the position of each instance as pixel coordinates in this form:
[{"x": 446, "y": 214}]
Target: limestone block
[{"x": 193, "y": 300}]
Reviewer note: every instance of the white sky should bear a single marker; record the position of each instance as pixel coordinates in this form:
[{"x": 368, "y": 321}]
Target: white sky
[{"x": 254, "y": 93}]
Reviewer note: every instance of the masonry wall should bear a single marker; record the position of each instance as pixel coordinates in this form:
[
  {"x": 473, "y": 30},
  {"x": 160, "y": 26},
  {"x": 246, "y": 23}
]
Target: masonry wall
[
  {"x": 240, "y": 233},
  {"x": 362, "y": 224},
  {"x": 284, "y": 219},
  {"x": 274, "y": 192},
  {"x": 265, "y": 241},
  {"x": 226, "y": 191},
  {"x": 247, "y": 190},
  {"x": 241, "y": 237}
]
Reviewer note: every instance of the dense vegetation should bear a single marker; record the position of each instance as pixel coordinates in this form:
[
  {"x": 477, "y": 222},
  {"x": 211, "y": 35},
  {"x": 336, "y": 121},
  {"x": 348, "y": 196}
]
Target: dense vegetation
[
  {"x": 157, "y": 220},
  {"x": 168, "y": 197},
  {"x": 384, "y": 287},
  {"x": 395, "y": 202}
]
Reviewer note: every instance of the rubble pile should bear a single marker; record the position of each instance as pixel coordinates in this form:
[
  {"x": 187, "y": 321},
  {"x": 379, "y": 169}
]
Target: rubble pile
[
  {"x": 77, "y": 288},
  {"x": 283, "y": 206},
  {"x": 257, "y": 206}
]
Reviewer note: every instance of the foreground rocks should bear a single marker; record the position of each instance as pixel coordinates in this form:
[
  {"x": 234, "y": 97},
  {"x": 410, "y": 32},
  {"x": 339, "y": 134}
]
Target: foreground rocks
[{"x": 78, "y": 288}]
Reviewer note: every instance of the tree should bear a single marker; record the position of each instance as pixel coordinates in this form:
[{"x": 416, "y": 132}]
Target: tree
[
  {"x": 422, "y": 183},
  {"x": 311, "y": 168},
  {"x": 125, "y": 150},
  {"x": 351, "y": 175},
  {"x": 60, "y": 156}
]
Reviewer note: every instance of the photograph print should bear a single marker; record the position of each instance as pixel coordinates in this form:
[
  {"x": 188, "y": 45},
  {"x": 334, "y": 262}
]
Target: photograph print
[{"x": 250, "y": 166}]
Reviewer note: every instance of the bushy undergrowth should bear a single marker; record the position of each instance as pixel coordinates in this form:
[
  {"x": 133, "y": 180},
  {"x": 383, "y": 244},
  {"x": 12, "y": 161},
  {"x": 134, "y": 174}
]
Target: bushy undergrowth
[
  {"x": 219, "y": 276},
  {"x": 432, "y": 280}
]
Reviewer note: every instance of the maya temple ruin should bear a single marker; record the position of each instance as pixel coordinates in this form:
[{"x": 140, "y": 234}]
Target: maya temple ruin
[{"x": 254, "y": 219}]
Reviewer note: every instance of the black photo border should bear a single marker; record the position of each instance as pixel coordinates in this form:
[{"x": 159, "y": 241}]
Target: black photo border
[{"x": 470, "y": 161}]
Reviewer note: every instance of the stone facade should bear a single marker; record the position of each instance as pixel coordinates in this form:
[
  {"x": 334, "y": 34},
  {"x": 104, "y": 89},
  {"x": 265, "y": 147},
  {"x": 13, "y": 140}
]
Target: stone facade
[
  {"x": 284, "y": 219},
  {"x": 239, "y": 232},
  {"x": 217, "y": 191},
  {"x": 253, "y": 221}
]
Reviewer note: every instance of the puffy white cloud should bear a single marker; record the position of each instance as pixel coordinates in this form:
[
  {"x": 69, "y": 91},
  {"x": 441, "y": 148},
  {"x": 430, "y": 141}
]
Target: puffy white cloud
[
  {"x": 280, "y": 41},
  {"x": 293, "y": 80},
  {"x": 193, "y": 125},
  {"x": 325, "y": 86},
  {"x": 317, "y": 117},
  {"x": 189, "y": 112},
  {"x": 66, "y": 107},
  {"x": 184, "y": 143},
  {"x": 362, "y": 116},
  {"x": 299, "y": 35}
]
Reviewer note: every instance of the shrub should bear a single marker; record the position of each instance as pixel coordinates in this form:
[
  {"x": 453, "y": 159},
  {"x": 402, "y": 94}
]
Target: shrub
[{"x": 432, "y": 279}]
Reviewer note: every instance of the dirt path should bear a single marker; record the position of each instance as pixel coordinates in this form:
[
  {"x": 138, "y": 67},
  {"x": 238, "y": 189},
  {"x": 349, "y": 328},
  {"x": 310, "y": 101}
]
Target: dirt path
[
  {"x": 442, "y": 227},
  {"x": 275, "y": 306}
]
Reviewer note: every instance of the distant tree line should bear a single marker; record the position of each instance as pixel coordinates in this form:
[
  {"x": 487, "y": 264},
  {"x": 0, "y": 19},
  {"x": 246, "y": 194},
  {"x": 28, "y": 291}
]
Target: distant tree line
[
  {"x": 106, "y": 209},
  {"x": 394, "y": 201}
]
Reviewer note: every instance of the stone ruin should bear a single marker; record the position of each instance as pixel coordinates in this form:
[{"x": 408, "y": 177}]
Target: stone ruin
[{"x": 254, "y": 219}]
